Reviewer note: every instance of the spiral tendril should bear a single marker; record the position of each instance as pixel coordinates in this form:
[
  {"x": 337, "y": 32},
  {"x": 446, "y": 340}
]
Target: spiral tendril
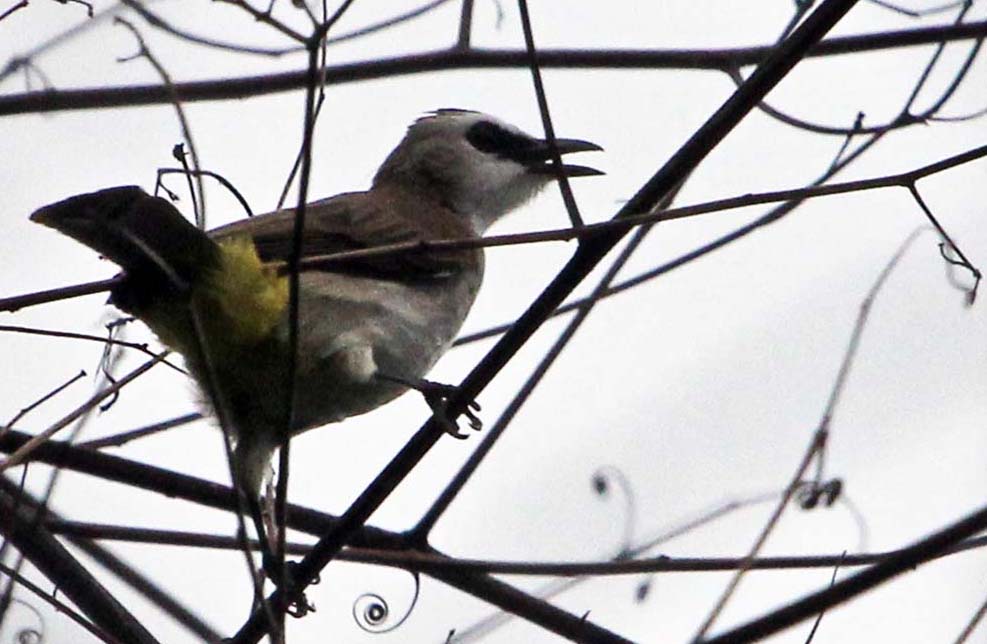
[
  {"x": 372, "y": 613},
  {"x": 29, "y": 634}
]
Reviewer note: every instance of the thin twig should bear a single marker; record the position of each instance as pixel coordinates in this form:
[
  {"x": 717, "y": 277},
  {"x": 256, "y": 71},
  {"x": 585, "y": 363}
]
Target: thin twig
[
  {"x": 918, "y": 13},
  {"x": 843, "y": 591},
  {"x": 546, "y": 119},
  {"x": 176, "y": 101},
  {"x": 57, "y": 294},
  {"x": 832, "y": 580},
  {"x": 24, "y": 451},
  {"x": 218, "y": 177},
  {"x": 34, "y": 405},
  {"x": 821, "y": 435},
  {"x": 117, "y": 440},
  {"x": 818, "y": 439},
  {"x": 622, "y": 556},
  {"x": 972, "y": 293},
  {"x": 266, "y": 18},
  {"x": 51, "y": 333},
  {"x": 17, "y": 302},
  {"x": 426, "y": 562},
  {"x": 972, "y": 624},
  {"x": 904, "y": 118},
  {"x": 12, "y": 9},
  {"x": 275, "y": 52}
]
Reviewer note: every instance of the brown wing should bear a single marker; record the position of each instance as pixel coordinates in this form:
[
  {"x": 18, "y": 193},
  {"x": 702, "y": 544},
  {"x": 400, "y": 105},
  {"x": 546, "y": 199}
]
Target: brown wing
[{"x": 355, "y": 221}]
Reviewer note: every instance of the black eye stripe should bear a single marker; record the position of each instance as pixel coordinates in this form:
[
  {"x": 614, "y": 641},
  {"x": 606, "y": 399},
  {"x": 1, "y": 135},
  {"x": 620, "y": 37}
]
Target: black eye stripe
[{"x": 493, "y": 139}]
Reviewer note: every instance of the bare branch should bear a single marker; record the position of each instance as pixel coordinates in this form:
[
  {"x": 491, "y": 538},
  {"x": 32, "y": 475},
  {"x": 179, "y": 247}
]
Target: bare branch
[
  {"x": 440, "y": 60},
  {"x": 903, "y": 561}
]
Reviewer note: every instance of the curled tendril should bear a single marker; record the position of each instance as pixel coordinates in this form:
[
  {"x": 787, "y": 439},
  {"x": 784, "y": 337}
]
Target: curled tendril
[
  {"x": 947, "y": 251},
  {"x": 810, "y": 493},
  {"x": 603, "y": 480},
  {"x": 372, "y": 613},
  {"x": 29, "y": 634},
  {"x": 110, "y": 356},
  {"x": 642, "y": 590}
]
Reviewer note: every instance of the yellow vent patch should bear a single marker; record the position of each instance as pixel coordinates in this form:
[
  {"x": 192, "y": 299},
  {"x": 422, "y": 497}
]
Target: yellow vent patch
[{"x": 250, "y": 297}]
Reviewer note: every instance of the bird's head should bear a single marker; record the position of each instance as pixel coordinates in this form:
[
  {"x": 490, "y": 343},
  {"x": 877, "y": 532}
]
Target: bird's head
[{"x": 476, "y": 164}]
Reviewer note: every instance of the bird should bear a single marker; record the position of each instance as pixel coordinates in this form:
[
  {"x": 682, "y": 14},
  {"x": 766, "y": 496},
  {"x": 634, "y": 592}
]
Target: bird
[{"x": 368, "y": 330}]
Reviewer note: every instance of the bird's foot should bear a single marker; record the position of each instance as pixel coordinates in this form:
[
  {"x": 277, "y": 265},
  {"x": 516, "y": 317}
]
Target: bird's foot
[
  {"x": 286, "y": 579},
  {"x": 437, "y": 396}
]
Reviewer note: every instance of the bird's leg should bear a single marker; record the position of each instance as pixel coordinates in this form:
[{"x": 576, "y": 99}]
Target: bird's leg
[
  {"x": 357, "y": 361},
  {"x": 437, "y": 396},
  {"x": 269, "y": 562},
  {"x": 283, "y": 577}
]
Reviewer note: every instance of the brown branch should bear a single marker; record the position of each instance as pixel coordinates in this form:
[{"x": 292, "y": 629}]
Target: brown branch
[
  {"x": 625, "y": 224},
  {"x": 904, "y": 179},
  {"x": 446, "y": 59},
  {"x": 175, "y": 485},
  {"x": 429, "y": 562},
  {"x": 17, "y": 302}
]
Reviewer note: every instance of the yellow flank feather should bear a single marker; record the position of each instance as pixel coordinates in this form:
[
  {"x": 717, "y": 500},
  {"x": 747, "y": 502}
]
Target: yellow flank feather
[{"x": 250, "y": 297}]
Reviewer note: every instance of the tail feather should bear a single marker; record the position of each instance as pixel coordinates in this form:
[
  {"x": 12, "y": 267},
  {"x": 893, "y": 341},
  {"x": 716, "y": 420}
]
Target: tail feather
[
  {"x": 144, "y": 235},
  {"x": 158, "y": 250}
]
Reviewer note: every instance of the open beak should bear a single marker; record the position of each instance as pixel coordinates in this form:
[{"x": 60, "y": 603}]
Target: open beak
[{"x": 539, "y": 158}]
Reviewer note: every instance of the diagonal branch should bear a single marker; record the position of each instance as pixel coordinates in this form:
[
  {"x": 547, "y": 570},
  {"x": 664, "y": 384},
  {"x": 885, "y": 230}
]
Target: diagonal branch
[{"x": 585, "y": 259}]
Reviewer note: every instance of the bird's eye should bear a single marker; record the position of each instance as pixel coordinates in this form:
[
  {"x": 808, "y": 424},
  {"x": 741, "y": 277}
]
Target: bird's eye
[{"x": 491, "y": 138}]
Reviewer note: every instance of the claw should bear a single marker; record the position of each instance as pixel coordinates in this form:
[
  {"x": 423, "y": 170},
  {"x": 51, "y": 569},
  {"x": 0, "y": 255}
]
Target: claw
[
  {"x": 287, "y": 582},
  {"x": 437, "y": 396},
  {"x": 438, "y": 402}
]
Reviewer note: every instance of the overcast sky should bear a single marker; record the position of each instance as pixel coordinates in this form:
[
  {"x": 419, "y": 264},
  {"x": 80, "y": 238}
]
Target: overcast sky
[{"x": 702, "y": 387}]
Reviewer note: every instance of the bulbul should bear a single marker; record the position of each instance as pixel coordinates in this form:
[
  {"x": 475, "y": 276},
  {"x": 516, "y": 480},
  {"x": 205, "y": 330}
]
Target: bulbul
[{"x": 368, "y": 330}]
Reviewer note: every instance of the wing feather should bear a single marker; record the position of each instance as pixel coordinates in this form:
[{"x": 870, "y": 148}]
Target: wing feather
[{"x": 355, "y": 221}]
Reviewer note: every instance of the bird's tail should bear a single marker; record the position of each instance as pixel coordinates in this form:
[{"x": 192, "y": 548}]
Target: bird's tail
[
  {"x": 169, "y": 264},
  {"x": 146, "y": 236}
]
